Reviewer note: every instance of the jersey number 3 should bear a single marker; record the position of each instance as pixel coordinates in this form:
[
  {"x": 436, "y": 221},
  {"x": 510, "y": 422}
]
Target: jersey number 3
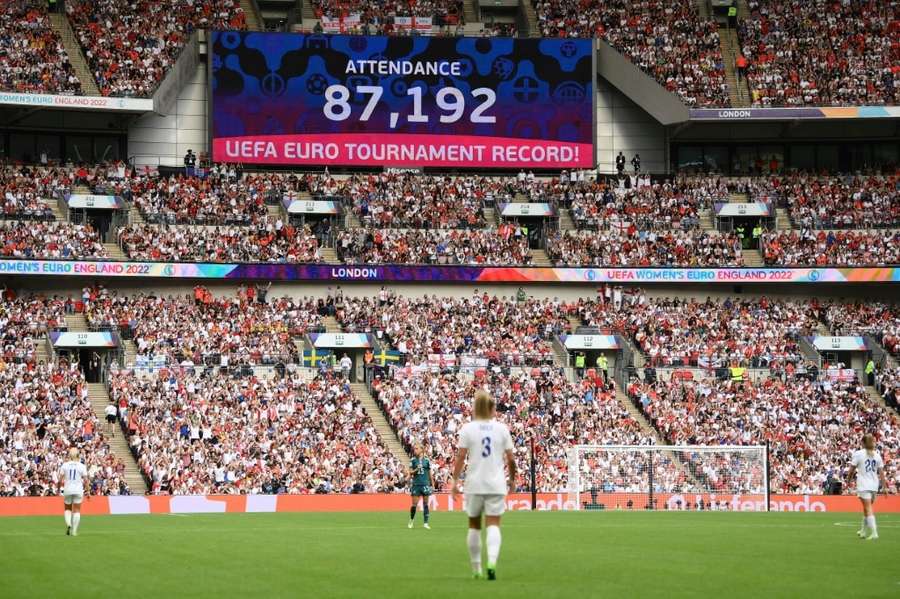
[{"x": 486, "y": 447}]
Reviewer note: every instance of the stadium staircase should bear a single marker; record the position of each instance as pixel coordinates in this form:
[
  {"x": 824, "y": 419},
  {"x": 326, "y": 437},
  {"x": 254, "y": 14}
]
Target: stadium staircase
[
  {"x": 329, "y": 255},
  {"x": 565, "y": 220},
  {"x": 876, "y": 398},
  {"x": 251, "y": 15},
  {"x": 63, "y": 28},
  {"x": 331, "y": 324},
  {"x": 76, "y": 323},
  {"x": 739, "y": 198},
  {"x": 384, "y": 429},
  {"x": 276, "y": 211},
  {"x": 640, "y": 360},
  {"x": 707, "y": 222},
  {"x": 574, "y": 323},
  {"x": 782, "y": 220},
  {"x": 115, "y": 252},
  {"x": 58, "y": 214},
  {"x": 529, "y": 16},
  {"x": 118, "y": 444},
  {"x": 539, "y": 257},
  {"x": 490, "y": 216},
  {"x": 130, "y": 352},
  {"x": 352, "y": 221},
  {"x": 753, "y": 259},
  {"x": 306, "y": 11},
  {"x": 135, "y": 217},
  {"x": 470, "y": 14},
  {"x": 40, "y": 351},
  {"x": 738, "y": 91}
]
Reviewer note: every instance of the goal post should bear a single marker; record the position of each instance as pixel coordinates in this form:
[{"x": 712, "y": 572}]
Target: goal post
[{"x": 669, "y": 477}]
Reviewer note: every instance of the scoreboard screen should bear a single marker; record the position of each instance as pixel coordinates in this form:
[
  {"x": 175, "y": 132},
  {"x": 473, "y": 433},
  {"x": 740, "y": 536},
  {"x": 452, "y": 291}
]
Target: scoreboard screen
[{"x": 287, "y": 98}]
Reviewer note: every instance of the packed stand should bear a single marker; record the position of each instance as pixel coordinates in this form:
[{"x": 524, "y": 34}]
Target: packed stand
[
  {"x": 888, "y": 384},
  {"x": 199, "y": 433},
  {"x": 667, "y": 40},
  {"x": 247, "y": 328},
  {"x": 661, "y": 206},
  {"x": 381, "y": 16},
  {"x": 878, "y": 319},
  {"x": 835, "y": 202},
  {"x": 506, "y": 245},
  {"x": 811, "y": 426},
  {"x": 24, "y": 321},
  {"x": 212, "y": 200},
  {"x": 633, "y": 247},
  {"x": 430, "y": 408},
  {"x": 26, "y": 191},
  {"x": 502, "y": 330},
  {"x": 266, "y": 241},
  {"x": 33, "y": 59},
  {"x": 130, "y": 46},
  {"x": 822, "y": 52},
  {"x": 44, "y": 411},
  {"x": 50, "y": 240},
  {"x": 831, "y": 248},
  {"x": 671, "y": 332},
  {"x": 392, "y": 200}
]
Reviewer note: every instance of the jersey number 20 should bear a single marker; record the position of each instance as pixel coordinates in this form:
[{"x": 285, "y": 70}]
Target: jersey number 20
[
  {"x": 871, "y": 466},
  {"x": 485, "y": 447}
]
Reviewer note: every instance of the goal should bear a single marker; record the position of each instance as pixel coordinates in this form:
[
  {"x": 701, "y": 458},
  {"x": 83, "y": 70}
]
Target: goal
[{"x": 669, "y": 477}]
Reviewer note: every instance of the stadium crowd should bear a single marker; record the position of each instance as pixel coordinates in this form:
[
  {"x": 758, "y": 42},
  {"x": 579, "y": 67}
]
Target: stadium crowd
[
  {"x": 198, "y": 432},
  {"x": 633, "y": 247},
  {"x": 502, "y": 330},
  {"x": 247, "y": 328},
  {"x": 670, "y": 41},
  {"x": 32, "y": 57},
  {"x": 267, "y": 241},
  {"x": 24, "y": 191},
  {"x": 429, "y": 407},
  {"x": 812, "y": 426},
  {"x": 822, "y": 52},
  {"x": 50, "y": 240},
  {"x": 130, "y": 46},
  {"x": 878, "y": 319},
  {"x": 44, "y": 410},
  {"x": 809, "y": 247},
  {"x": 24, "y": 321},
  {"x": 379, "y": 17},
  {"x": 834, "y": 202},
  {"x": 506, "y": 245},
  {"x": 715, "y": 333}
]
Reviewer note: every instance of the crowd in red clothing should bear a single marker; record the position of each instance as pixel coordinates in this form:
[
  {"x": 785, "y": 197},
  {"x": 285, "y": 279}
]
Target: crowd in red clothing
[
  {"x": 24, "y": 321},
  {"x": 633, "y": 247},
  {"x": 130, "y": 44},
  {"x": 812, "y": 425},
  {"x": 379, "y": 15},
  {"x": 501, "y": 330},
  {"x": 506, "y": 245},
  {"x": 822, "y": 52},
  {"x": 50, "y": 240},
  {"x": 247, "y": 328},
  {"x": 670, "y": 41},
  {"x": 715, "y": 333},
  {"x": 269, "y": 240},
  {"x": 834, "y": 202},
  {"x": 809, "y": 247},
  {"x": 198, "y": 433},
  {"x": 32, "y": 57},
  {"x": 878, "y": 319},
  {"x": 542, "y": 404}
]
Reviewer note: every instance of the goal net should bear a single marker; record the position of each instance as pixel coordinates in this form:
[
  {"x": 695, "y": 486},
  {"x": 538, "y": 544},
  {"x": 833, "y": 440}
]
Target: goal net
[{"x": 668, "y": 477}]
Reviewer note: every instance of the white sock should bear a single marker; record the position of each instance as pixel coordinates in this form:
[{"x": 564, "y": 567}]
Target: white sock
[
  {"x": 865, "y": 524},
  {"x": 68, "y": 517},
  {"x": 870, "y": 522},
  {"x": 493, "y": 545},
  {"x": 76, "y": 518},
  {"x": 474, "y": 542}
]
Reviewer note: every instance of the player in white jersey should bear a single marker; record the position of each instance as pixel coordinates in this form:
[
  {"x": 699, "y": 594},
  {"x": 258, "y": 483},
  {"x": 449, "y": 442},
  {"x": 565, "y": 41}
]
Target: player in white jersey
[
  {"x": 868, "y": 468},
  {"x": 73, "y": 478},
  {"x": 487, "y": 444}
]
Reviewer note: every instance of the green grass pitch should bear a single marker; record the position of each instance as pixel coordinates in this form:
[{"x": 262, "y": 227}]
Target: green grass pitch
[{"x": 545, "y": 554}]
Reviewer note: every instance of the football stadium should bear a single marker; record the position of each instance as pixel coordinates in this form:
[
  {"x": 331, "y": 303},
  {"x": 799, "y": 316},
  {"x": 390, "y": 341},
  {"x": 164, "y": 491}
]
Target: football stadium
[{"x": 448, "y": 298}]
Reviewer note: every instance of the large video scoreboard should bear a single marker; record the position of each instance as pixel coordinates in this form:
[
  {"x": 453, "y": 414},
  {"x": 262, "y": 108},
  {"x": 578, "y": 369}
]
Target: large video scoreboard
[{"x": 297, "y": 99}]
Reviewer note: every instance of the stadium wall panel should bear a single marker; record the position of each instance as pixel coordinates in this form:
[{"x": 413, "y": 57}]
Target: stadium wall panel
[
  {"x": 199, "y": 504},
  {"x": 624, "y": 126}
]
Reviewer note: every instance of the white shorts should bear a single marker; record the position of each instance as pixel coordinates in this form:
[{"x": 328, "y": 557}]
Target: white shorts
[
  {"x": 870, "y": 495},
  {"x": 70, "y": 498},
  {"x": 489, "y": 505}
]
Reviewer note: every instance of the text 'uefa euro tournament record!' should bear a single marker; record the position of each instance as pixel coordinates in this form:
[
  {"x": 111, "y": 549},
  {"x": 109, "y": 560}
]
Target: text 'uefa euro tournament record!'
[{"x": 285, "y": 98}]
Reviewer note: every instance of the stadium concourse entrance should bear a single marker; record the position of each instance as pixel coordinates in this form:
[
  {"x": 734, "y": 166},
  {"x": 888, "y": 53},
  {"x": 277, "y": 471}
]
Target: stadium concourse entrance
[{"x": 93, "y": 351}]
